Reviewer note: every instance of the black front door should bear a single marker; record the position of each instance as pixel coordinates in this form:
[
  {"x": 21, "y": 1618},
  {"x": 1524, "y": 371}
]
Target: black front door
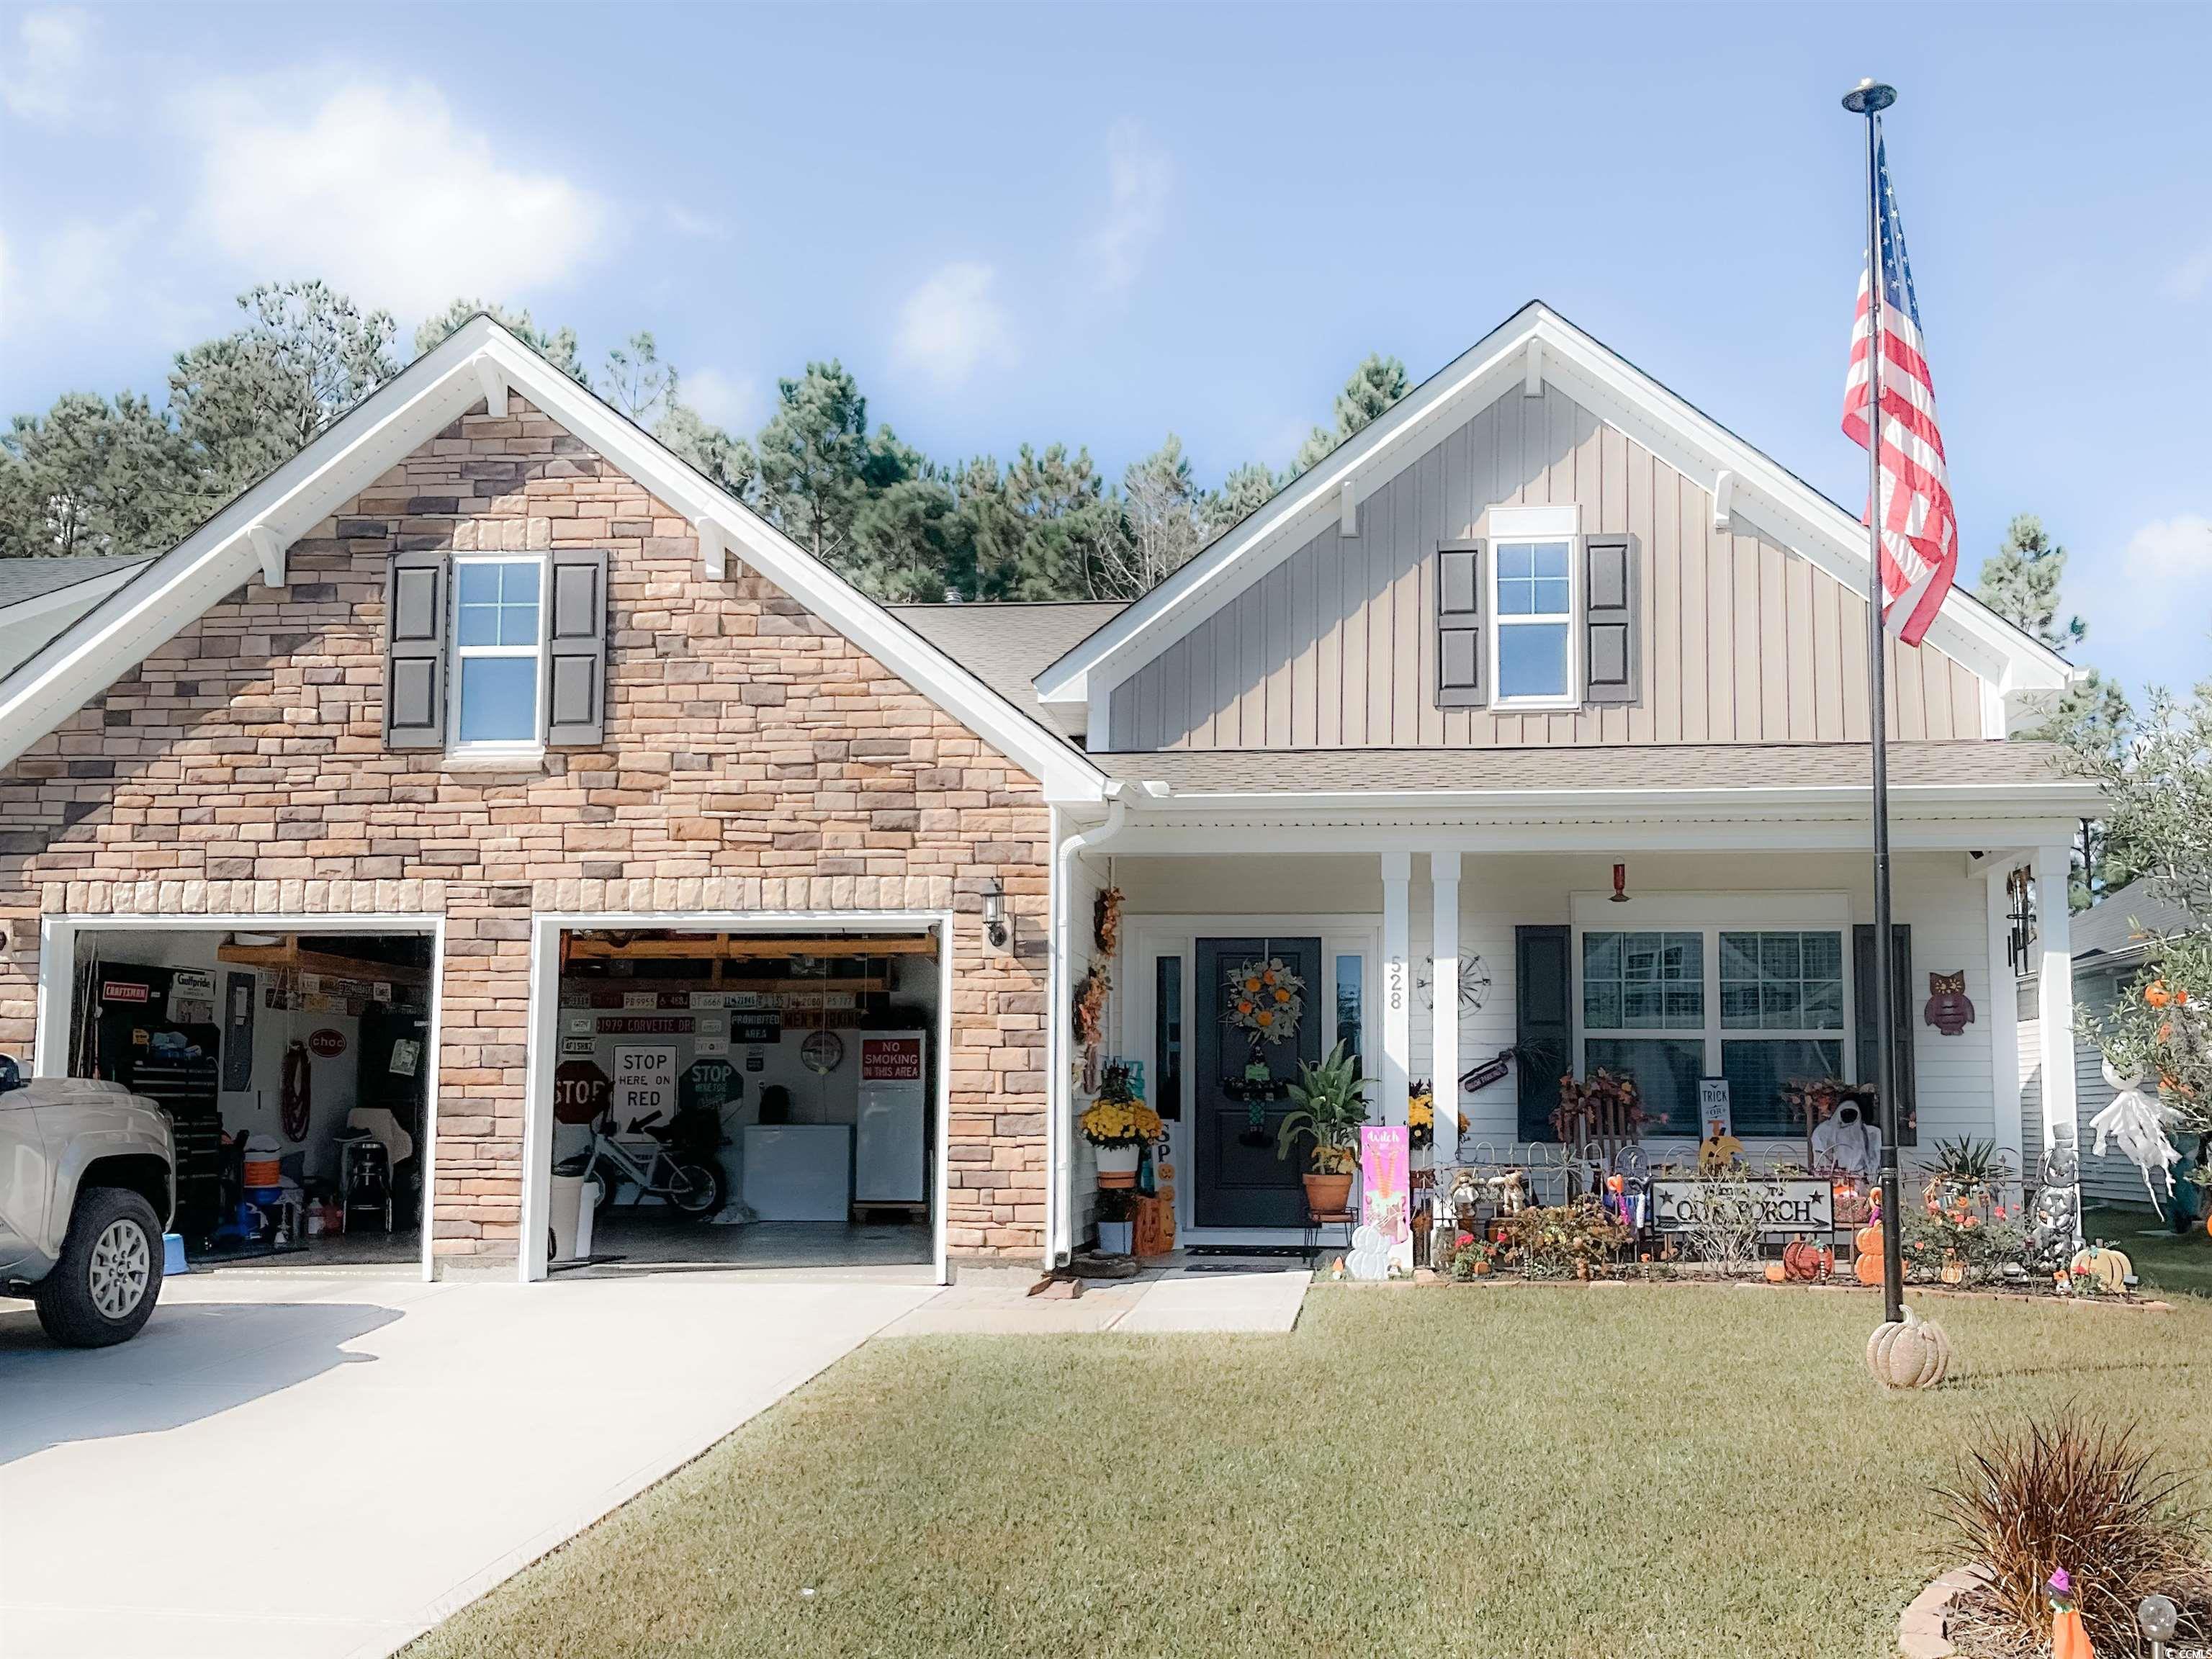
[{"x": 1241, "y": 1181}]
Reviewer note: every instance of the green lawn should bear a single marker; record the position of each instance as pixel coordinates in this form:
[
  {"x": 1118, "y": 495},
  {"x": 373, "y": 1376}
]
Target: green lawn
[
  {"x": 2167, "y": 1263},
  {"x": 1563, "y": 1471}
]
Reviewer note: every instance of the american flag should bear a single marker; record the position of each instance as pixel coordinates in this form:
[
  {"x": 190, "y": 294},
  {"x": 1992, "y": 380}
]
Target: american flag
[{"x": 1919, "y": 528}]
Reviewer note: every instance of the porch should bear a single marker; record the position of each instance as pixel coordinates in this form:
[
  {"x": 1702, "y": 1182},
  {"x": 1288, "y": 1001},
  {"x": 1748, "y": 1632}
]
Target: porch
[{"x": 1745, "y": 964}]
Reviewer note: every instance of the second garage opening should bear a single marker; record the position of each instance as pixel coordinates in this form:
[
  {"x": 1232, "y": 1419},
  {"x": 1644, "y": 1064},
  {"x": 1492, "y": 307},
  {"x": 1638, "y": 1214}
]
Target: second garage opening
[{"x": 765, "y": 1100}]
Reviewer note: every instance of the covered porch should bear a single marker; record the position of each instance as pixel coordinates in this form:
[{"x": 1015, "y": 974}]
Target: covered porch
[{"x": 1478, "y": 956}]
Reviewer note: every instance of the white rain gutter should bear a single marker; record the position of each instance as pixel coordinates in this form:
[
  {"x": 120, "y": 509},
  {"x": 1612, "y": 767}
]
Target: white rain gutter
[{"x": 1058, "y": 1235}]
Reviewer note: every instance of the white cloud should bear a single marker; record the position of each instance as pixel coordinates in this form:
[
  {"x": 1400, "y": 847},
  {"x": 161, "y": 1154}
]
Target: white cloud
[
  {"x": 380, "y": 190},
  {"x": 953, "y": 323},
  {"x": 2190, "y": 278},
  {"x": 2176, "y": 549},
  {"x": 81, "y": 274},
  {"x": 45, "y": 79},
  {"x": 727, "y": 400},
  {"x": 1141, "y": 176}
]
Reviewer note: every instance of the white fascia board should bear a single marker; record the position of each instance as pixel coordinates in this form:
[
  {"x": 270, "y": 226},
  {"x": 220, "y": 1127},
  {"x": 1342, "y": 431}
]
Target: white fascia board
[
  {"x": 426, "y": 397},
  {"x": 166, "y": 595},
  {"x": 1758, "y": 492},
  {"x": 2066, "y": 800},
  {"x": 1762, "y": 492},
  {"x": 1482, "y": 374}
]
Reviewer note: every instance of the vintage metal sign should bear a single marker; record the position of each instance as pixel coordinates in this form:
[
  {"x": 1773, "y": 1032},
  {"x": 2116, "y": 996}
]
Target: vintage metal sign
[{"x": 1784, "y": 1205}]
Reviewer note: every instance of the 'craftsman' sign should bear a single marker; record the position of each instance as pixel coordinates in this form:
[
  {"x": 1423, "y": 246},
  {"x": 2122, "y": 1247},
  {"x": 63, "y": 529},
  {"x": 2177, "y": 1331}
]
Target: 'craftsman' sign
[{"x": 1780, "y": 1205}]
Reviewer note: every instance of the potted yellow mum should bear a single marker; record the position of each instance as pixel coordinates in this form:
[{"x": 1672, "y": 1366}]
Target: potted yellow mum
[{"x": 1119, "y": 1126}]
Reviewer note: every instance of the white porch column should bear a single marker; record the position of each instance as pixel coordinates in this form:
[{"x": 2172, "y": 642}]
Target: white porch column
[
  {"x": 1397, "y": 985},
  {"x": 2002, "y": 1017},
  {"x": 2055, "y": 984},
  {"x": 1443, "y": 984}
]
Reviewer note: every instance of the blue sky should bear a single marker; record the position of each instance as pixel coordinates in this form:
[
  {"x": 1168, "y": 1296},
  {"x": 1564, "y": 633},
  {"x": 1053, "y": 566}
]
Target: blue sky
[{"x": 1098, "y": 224}]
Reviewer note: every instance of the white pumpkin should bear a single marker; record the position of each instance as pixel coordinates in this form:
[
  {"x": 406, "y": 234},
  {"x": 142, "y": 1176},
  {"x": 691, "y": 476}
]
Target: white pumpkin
[{"x": 1908, "y": 1354}]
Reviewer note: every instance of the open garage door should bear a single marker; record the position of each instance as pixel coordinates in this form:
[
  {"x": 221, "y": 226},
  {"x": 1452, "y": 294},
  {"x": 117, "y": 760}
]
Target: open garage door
[
  {"x": 294, "y": 1067},
  {"x": 762, "y": 1099}
]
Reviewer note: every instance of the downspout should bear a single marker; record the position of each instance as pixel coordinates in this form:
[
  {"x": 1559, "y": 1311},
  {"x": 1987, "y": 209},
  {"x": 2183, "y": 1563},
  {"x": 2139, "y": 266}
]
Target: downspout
[{"x": 1059, "y": 1233}]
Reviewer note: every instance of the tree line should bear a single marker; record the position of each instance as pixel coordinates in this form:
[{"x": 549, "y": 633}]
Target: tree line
[{"x": 94, "y": 474}]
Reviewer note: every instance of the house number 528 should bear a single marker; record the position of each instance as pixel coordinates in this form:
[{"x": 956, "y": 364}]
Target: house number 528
[{"x": 1397, "y": 983}]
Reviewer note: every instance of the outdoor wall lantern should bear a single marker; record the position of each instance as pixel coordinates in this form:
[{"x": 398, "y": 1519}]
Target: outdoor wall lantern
[
  {"x": 1620, "y": 884},
  {"x": 2157, "y": 1617},
  {"x": 995, "y": 928}
]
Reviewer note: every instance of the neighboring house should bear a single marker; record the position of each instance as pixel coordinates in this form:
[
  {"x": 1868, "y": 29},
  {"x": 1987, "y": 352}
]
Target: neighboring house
[
  {"x": 38, "y": 597},
  {"x": 1541, "y": 625},
  {"x": 2113, "y": 941}
]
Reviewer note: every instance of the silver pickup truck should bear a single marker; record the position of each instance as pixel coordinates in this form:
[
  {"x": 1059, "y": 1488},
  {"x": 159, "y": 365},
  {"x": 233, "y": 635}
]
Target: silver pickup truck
[{"x": 87, "y": 1181}]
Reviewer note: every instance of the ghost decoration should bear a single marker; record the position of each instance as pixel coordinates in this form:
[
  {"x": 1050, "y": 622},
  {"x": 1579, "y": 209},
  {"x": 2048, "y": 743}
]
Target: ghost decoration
[
  {"x": 2137, "y": 1121},
  {"x": 1947, "y": 1009},
  {"x": 1370, "y": 1255},
  {"x": 1846, "y": 1145}
]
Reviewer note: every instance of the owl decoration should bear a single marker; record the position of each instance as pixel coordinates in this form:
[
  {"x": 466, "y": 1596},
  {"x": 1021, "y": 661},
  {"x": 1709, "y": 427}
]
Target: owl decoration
[{"x": 1947, "y": 1009}]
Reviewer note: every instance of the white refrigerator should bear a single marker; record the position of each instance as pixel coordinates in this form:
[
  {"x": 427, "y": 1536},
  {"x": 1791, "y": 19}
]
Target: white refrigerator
[{"x": 891, "y": 1147}]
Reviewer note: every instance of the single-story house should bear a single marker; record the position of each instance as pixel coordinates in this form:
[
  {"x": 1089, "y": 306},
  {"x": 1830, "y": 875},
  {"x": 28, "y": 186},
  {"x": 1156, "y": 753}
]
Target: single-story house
[{"x": 1531, "y": 723}]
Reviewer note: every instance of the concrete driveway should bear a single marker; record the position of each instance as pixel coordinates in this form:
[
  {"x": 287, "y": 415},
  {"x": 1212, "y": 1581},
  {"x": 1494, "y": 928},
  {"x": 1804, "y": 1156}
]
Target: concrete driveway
[{"x": 314, "y": 1468}]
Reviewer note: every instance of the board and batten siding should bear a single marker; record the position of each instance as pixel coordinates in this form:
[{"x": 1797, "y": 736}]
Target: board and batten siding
[{"x": 1335, "y": 647}]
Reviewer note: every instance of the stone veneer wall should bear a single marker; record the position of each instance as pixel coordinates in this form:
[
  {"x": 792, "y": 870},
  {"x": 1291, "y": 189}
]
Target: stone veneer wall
[{"x": 754, "y": 759}]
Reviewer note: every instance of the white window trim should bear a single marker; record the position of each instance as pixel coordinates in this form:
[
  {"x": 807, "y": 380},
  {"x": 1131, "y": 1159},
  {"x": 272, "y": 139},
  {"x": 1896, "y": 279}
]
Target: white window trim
[
  {"x": 1536, "y": 523},
  {"x": 495, "y": 754},
  {"x": 1710, "y": 915}
]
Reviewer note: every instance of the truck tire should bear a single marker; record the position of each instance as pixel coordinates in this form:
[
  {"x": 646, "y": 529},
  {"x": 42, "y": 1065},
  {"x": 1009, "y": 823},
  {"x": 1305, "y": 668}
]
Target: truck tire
[{"x": 109, "y": 1276}]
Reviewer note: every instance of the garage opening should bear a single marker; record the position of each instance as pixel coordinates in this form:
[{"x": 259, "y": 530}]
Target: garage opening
[
  {"x": 293, "y": 1068},
  {"x": 747, "y": 1100}
]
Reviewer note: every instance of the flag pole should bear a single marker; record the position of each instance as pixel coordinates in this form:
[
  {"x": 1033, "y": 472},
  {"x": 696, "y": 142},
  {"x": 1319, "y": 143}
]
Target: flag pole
[{"x": 1868, "y": 99}]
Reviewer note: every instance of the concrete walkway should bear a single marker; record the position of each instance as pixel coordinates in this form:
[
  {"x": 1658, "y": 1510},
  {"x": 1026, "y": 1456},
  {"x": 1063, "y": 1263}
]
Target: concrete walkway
[
  {"x": 1187, "y": 1297},
  {"x": 324, "y": 1467}
]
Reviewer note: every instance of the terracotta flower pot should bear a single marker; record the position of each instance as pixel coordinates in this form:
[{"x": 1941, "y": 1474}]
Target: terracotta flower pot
[
  {"x": 1117, "y": 1165},
  {"x": 1329, "y": 1192}
]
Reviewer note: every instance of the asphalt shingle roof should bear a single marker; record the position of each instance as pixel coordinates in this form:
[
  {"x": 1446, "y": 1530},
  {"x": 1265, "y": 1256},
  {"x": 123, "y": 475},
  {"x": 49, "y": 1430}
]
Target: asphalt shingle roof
[{"x": 32, "y": 579}]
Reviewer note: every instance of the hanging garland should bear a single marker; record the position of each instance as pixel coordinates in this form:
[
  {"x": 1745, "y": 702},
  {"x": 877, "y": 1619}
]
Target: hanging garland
[
  {"x": 1090, "y": 1009},
  {"x": 1266, "y": 1001},
  {"x": 1106, "y": 921}
]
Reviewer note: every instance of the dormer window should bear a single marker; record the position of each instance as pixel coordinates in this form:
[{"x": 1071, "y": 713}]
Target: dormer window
[{"x": 1537, "y": 615}]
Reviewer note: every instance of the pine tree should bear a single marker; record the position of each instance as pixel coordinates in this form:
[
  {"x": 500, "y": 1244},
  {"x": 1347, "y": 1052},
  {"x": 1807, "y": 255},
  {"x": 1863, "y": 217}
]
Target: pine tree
[
  {"x": 2020, "y": 582},
  {"x": 557, "y": 346},
  {"x": 1374, "y": 387},
  {"x": 1163, "y": 512},
  {"x": 1242, "y": 493},
  {"x": 637, "y": 382},
  {"x": 94, "y": 477}
]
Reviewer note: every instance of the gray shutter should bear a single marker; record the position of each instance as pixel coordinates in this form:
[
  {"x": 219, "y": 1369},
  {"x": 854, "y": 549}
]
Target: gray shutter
[
  {"x": 576, "y": 652},
  {"x": 1544, "y": 1023},
  {"x": 1612, "y": 653},
  {"x": 415, "y": 608},
  {"x": 1867, "y": 1022},
  {"x": 1459, "y": 625}
]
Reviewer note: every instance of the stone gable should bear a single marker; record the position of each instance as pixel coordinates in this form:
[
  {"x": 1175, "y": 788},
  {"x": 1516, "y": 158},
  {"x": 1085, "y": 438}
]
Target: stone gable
[{"x": 754, "y": 759}]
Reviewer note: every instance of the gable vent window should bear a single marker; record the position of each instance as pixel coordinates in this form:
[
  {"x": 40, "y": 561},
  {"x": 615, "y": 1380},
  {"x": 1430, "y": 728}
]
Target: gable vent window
[{"x": 495, "y": 656}]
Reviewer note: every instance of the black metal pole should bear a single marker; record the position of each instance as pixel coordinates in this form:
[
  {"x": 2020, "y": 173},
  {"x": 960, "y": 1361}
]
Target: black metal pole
[{"x": 1868, "y": 99}]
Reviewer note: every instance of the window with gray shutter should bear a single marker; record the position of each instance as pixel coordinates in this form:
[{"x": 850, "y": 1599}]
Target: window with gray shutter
[
  {"x": 576, "y": 651},
  {"x": 1612, "y": 651},
  {"x": 414, "y": 652},
  {"x": 1459, "y": 625}
]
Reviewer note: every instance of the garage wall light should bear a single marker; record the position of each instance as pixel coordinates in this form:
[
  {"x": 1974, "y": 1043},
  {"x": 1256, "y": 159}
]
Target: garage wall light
[{"x": 996, "y": 928}]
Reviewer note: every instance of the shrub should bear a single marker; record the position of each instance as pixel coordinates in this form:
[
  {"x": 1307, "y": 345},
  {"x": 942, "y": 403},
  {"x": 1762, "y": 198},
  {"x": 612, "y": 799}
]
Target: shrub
[
  {"x": 1928, "y": 1238},
  {"x": 2086, "y": 1497},
  {"x": 1550, "y": 1243}
]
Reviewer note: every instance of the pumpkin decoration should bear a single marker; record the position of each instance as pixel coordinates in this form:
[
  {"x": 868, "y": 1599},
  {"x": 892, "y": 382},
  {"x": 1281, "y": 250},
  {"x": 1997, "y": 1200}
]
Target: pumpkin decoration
[
  {"x": 1866, "y": 1266},
  {"x": 2108, "y": 1267},
  {"x": 1954, "y": 1271},
  {"x": 1775, "y": 1272},
  {"x": 1806, "y": 1261},
  {"x": 1908, "y": 1354}
]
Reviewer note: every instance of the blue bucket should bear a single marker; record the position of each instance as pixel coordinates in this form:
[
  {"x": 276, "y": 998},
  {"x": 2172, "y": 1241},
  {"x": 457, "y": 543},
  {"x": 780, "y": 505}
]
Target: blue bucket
[{"x": 172, "y": 1255}]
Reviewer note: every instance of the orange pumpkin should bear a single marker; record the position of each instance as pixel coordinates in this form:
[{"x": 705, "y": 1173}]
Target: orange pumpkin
[
  {"x": 1806, "y": 1261},
  {"x": 1775, "y": 1272},
  {"x": 1868, "y": 1240},
  {"x": 1868, "y": 1267}
]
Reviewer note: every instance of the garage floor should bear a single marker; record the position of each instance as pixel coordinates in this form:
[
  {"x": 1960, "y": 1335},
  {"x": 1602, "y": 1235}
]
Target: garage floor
[
  {"x": 625, "y": 1237},
  {"x": 281, "y": 1465}
]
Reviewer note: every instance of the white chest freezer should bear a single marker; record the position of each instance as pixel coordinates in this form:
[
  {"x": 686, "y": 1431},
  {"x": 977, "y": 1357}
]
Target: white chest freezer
[{"x": 890, "y": 1146}]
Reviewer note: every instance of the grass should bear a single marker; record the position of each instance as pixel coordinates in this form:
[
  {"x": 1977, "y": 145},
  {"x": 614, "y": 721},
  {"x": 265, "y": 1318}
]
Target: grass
[
  {"x": 1503, "y": 1471},
  {"x": 2168, "y": 1262}
]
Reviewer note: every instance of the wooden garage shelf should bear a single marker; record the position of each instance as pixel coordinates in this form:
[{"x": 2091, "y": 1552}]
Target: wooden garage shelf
[
  {"x": 290, "y": 955},
  {"x": 706, "y": 946}
]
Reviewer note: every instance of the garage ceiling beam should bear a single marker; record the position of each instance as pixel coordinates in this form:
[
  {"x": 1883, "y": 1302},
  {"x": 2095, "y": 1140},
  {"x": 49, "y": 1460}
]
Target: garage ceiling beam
[
  {"x": 788, "y": 987},
  {"x": 290, "y": 954},
  {"x": 707, "y": 947}
]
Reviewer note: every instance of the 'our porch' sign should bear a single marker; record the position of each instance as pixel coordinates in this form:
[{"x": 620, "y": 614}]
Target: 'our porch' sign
[{"x": 1784, "y": 1206}]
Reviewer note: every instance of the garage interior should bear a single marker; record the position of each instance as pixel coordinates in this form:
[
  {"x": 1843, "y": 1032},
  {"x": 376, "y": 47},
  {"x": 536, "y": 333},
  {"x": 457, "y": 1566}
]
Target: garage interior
[
  {"x": 293, "y": 1067},
  {"x": 744, "y": 1100}
]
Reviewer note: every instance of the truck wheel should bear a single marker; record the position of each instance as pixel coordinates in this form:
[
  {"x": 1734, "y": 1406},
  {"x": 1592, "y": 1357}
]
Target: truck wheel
[{"x": 109, "y": 1276}]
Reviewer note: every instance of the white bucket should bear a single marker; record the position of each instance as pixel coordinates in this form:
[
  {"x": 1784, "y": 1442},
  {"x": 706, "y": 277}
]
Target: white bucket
[
  {"x": 587, "y": 1213},
  {"x": 567, "y": 1194}
]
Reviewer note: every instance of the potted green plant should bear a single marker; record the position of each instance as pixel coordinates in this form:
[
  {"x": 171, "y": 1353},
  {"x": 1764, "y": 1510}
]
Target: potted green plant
[{"x": 1331, "y": 1105}]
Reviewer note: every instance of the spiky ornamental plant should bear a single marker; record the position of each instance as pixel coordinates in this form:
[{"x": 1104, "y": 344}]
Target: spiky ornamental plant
[{"x": 1332, "y": 1103}]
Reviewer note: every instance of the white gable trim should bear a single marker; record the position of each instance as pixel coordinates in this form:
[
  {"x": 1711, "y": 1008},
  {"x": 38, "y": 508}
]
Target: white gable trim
[
  {"x": 482, "y": 362},
  {"x": 1534, "y": 342}
]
